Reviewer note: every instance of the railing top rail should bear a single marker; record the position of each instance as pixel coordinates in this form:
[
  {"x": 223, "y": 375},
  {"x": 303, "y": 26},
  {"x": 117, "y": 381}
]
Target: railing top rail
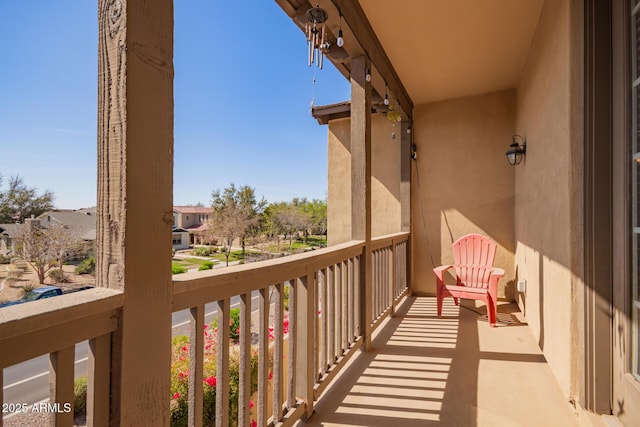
[
  {"x": 212, "y": 285},
  {"x": 24, "y": 318},
  {"x": 388, "y": 239},
  {"x": 41, "y": 327}
]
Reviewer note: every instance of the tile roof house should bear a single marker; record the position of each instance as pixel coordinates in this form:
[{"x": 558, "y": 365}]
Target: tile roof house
[{"x": 193, "y": 219}]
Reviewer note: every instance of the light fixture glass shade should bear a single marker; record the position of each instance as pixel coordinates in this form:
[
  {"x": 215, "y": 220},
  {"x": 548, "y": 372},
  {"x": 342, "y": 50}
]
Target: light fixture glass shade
[
  {"x": 340, "y": 41},
  {"x": 516, "y": 152}
]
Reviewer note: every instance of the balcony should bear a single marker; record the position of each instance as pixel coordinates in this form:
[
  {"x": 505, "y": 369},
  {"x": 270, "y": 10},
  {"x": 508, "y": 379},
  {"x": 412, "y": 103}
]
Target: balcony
[
  {"x": 363, "y": 345},
  {"x": 420, "y": 369}
]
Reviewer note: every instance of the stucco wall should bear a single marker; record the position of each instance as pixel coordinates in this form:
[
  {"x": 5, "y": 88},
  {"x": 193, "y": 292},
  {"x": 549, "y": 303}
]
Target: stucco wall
[
  {"x": 462, "y": 182},
  {"x": 385, "y": 181},
  {"x": 546, "y": 212},
  {"x": 339, "y": 183}
]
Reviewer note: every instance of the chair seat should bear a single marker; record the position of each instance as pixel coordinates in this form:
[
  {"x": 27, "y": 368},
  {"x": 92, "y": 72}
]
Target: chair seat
[{"x": 466, "y": 289}]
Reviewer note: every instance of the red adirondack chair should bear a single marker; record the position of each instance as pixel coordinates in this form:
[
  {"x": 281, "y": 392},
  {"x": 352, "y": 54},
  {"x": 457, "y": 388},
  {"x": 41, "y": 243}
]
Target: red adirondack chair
[{"x": 476, "y": 277}]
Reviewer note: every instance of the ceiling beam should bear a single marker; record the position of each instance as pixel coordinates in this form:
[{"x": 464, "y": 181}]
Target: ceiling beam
[{"x": 353, "y": 14}]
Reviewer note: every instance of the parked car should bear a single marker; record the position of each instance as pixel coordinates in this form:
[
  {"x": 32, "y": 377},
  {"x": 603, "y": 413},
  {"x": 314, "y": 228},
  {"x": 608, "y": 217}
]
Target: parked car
[{"x": 43, "y": 293}]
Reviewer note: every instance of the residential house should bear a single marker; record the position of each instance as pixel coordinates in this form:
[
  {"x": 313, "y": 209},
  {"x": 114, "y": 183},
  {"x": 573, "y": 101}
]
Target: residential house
[
  {"x": 81, "y": 222},
  {"x": 8, "y": 233},
  {"x": 465, "y": 77},
  {"x": 193, "y": 219}
]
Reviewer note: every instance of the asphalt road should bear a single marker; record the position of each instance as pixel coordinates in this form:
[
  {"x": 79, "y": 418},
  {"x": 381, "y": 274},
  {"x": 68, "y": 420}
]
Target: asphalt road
[{"x": 28, "y": 382}]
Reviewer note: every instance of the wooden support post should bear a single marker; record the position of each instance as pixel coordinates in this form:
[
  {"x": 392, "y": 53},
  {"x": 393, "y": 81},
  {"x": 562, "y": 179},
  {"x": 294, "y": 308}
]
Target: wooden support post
[
  {"x": 278, "y": 347},
  {"x": 196, "y": 362},
  {"x": 406, "y": 140},
  {"x": 361, "y": 182},
  {"x": 61, "y": 369},
  {"x": 1, "y": 391},
  {"x": 244, "y": 392},
  {"x": 98, "y": 385},
  {"x": 394, "y": 276},
  {"x": 263, "y": 355},
  {"x": 293, "y": 343},
  {"x": 222, "y": 365},
  {"x": 305, "y": 319},
  {"x": 135, "y": 186}
]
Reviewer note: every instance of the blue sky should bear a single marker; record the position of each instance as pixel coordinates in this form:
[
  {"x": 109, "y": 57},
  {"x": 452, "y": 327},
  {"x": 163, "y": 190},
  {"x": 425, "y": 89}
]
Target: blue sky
[{"x": 242, "y": 96}]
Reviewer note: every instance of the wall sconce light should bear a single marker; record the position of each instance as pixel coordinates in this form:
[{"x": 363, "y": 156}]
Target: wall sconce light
[{"x": 516, "y": 152}]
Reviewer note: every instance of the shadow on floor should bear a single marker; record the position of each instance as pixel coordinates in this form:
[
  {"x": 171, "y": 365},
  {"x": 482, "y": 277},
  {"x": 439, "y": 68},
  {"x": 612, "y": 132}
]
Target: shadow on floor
[{"x": 454, "y": 371}]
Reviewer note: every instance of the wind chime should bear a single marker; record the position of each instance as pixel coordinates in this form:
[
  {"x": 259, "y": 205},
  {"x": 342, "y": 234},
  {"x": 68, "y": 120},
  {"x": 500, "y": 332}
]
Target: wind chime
[{"x": 316, "y": 35}]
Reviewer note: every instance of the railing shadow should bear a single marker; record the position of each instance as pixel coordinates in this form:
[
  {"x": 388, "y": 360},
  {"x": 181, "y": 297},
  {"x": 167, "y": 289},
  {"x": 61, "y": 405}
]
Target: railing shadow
[{"x": 422, "y": 370}]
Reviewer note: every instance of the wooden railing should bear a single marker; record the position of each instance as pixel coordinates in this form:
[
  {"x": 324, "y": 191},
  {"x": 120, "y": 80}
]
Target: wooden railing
[
  {"x": 389, "y": 274},
  {"x": 325, "y": 328},
  {"x": 54, "y": 327}
]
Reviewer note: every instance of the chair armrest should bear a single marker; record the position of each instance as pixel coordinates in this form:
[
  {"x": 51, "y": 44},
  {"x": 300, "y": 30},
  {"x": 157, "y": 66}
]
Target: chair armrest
[
  {"x": 495, "y": 276},
  {"x": 439, "y": 272},
  {"x": 498, "y": 272}
]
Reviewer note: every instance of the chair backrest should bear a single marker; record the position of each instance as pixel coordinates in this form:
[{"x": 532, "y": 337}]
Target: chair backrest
[{"x": 474, "y": 255}]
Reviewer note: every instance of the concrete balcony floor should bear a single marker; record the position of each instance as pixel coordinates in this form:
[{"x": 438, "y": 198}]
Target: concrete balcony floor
[{"x": 454, "y": 371}]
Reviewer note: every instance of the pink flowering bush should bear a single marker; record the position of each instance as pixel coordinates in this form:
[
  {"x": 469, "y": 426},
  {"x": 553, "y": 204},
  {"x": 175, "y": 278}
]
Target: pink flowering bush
[{"x": 180, "y": 378}]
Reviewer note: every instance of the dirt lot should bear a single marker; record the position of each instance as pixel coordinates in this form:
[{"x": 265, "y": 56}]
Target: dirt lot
[{"x": 13, "y": 291}]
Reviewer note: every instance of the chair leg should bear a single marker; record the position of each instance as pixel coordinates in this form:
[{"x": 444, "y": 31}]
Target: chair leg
[
  {"x": 455, "y": 300},
  {"x": 439, "y": 298},
  {"x": 491, "y": 310}
]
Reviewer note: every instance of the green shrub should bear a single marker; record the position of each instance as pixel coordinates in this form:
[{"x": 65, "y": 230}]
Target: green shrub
[
  {"x": 207, "y": 265},
  {"x": 177, "y": 269},
  {"x": 87, "y": 266},
  {"x": 180, "y": 379},
  {"x": 26, "y": 289},
  {"x": 286, "y": 297},
  {"x": 58, "y": 276},
  {"x": 80, "y": 396},
  {"x": 223, "y": 249},
  {"x": 234, "y": 323},
  {"x": 202, "y": 251}
]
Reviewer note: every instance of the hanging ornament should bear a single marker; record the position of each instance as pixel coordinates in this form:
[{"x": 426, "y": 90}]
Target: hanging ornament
[
  {"x": 316, "y": 35},
  {"x": 340, "y": 40}
]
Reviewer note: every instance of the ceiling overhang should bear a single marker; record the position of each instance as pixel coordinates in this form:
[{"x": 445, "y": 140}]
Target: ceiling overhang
[{"x": 424, "y": 51}]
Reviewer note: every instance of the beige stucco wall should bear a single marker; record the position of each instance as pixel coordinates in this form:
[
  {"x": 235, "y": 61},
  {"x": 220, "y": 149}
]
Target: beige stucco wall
[
  {"x": 339, "y": 183},
  {"x": 462, "y": 183},
  {"x": 547, "y": 212},
  {"x": 385, "y": 180}
]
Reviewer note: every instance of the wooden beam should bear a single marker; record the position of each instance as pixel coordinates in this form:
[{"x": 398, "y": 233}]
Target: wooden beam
[
  {"x": 361, "y": 182},
  {"x": 355, "y": 18},
  {"x": 135, "y": 186}
]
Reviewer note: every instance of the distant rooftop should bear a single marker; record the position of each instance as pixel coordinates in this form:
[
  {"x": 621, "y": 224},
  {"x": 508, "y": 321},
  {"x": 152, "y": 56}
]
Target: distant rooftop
[{"x": 193, "y": 209}]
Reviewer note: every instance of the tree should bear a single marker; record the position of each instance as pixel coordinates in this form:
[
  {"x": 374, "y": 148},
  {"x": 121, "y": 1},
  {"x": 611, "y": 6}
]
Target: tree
[
  {"x": 40, "y": 246},
  {"x": 317, "y": 211},
  {"x": 19, "y": 201},
  {"x": 235, "y": 215},
  {"x": 289, "y": 217}
]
